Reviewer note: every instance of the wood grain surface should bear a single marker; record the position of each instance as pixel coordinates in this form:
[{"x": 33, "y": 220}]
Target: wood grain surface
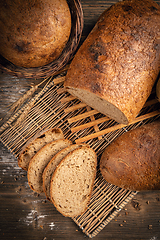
[{"x": 27, "y": 215}]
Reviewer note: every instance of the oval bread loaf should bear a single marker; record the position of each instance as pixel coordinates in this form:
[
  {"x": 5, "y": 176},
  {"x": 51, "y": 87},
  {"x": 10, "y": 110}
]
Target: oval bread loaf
[
  {"x": 40, "y": 160},
  {"x": 72, "y": 181},
  {"x": 50, "y": 168},
  {"x": 132, "y": 161},
  {"x": 33, "y": 33},
  {"x": 35, "y": 144},
  {"x": 117, "y": 65}
]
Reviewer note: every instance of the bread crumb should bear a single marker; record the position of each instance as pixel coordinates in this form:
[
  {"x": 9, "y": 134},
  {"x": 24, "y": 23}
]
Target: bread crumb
[{"x": 150, "y": 227}]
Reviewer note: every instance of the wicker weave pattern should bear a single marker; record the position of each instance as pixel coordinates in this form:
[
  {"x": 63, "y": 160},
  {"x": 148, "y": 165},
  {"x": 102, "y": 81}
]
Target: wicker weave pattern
[{"x": 54, "y": 107}]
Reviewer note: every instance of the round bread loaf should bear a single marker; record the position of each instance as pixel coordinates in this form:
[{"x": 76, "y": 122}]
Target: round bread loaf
[
  {"x": 132, "y": 161},
  {"x": 116, "y": 67},
  {"x": 33, "y": 33}
]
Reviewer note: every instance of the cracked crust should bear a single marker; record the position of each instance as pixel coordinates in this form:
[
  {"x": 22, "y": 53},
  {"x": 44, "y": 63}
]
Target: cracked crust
[
  {"x": 116, "y": 67},
  {"x": 33, "y": 33}
]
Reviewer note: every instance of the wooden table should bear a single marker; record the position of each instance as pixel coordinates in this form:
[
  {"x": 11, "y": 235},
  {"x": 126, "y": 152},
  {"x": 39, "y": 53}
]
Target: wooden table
[{"x": 27, "y": 215}]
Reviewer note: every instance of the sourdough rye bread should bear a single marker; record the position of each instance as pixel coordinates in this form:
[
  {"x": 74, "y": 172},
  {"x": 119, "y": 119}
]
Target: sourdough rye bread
[
  {"x": 36, "y": 143},
  {"x": 40, "y": 160},
  {"x": 72, "y": 181},
  {"x": 132, "y": 161},
  {"x": 33, "y": 33},
  {"x": 50, "y": 168},
  {"x": 117, "y": 65}
]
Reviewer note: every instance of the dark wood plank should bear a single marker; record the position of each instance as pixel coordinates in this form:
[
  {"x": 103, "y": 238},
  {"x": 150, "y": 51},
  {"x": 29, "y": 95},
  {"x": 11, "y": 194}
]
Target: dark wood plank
[{"x": 26, "y": 215}]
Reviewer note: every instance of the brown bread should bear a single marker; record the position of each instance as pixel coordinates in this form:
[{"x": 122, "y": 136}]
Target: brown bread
[
  {"x": 40, "y": 160},
  {"x": 33, "y": 33},
  {"x": 50, "y": 168},
  {"x": 36, "y": 143},
  {"x": 72, "y": 181},
  {"x": 116, "y": 67},
  {"x": 132, "y": 161}
]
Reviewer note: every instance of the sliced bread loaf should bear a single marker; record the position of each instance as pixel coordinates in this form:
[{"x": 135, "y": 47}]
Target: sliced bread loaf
[
  {"x": 50, "y": 168},
  {"x": 116, "y": 67},
  {"x": 35, "y": 144},
  {"x": 72, "y": 181},
  {"x": 40, "y": 160}
]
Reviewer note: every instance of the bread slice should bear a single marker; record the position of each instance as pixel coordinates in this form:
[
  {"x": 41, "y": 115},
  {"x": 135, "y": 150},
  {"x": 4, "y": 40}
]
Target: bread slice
[
  {"x": 72, "y": 181},
  {"x": 40, "y": 160},
  {"x": 36, "y": 143},
  {"x": 50, "y": 168}
]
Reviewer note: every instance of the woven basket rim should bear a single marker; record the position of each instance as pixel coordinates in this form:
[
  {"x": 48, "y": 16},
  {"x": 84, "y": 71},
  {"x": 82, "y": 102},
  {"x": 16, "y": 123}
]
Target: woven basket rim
[{"x": 66, "y": 55}]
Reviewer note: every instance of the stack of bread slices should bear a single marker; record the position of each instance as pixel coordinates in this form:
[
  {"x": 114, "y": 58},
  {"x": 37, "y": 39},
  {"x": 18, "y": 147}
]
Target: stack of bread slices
[{"x": 64, "y": 171}]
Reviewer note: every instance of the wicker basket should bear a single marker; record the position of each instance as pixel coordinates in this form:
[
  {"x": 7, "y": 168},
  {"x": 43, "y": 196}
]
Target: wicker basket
[{"x": 62, "y": 60}]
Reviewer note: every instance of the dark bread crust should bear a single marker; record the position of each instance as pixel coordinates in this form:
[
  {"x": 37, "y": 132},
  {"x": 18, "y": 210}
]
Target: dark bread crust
[
  {"x": 132, "y": 161},
  {"x": 33, "y": 33},
  {"x": 120, "y": 59},
  {"x": 35, "y": 143}
]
